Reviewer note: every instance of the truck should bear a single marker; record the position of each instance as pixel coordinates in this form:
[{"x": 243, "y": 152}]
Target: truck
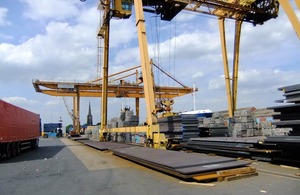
[
  {"x": 52, "y": 130},
  {"x": 20, "y": 129}
]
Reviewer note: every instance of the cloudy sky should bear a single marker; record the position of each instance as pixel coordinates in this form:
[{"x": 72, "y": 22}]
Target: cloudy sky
[{"x": 56, "y": 41}]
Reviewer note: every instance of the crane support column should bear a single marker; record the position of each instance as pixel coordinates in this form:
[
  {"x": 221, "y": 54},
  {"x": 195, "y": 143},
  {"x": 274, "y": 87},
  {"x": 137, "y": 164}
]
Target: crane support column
[
  {"x": 74, "y": 114},
  {"x": 137, "y": 100},
  {"x": 298, "y": 3},
  {"x": 291, "y": 14},
  {"x": 105, "y": 65},
  {"x": 237, "y": 38},
  {"x": 225, "y": 62},
  {"x": 76, "y": 105},
  {"x": 145, "y": 63}
]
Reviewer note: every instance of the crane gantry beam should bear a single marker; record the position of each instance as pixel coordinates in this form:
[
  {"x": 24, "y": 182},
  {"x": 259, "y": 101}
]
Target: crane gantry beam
[
  {"x": 253, "y": 11},
  {"x": 70, "y": 89}
]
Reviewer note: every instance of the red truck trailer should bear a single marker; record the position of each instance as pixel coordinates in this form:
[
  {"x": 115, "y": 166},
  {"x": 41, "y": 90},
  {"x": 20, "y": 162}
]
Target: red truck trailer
[{"x": 19, "y": 130}]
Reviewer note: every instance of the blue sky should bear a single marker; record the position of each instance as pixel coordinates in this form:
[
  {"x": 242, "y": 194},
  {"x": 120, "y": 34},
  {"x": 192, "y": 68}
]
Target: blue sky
[{"x": 56, "y": 40}]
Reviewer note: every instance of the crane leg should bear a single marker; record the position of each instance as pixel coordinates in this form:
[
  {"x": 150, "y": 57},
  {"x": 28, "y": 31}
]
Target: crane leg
[
  {"x": 105, "y": 68},
  {"x": 225, "y": 62},
  {"x": 237, "y": 38},
  {"x": 291, "y": 14}
]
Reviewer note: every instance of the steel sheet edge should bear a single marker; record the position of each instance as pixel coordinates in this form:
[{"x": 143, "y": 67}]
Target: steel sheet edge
[{"x": 17, "y": 124}]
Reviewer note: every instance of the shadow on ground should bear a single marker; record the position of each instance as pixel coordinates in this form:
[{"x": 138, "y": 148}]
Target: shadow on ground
[{"x": 43, "y": 152}]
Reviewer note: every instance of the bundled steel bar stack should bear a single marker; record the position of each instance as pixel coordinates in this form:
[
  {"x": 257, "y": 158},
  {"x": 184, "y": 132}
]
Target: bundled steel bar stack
[
  {"x": 243, "y": 123},
  {"x": 214, "y": 126}
]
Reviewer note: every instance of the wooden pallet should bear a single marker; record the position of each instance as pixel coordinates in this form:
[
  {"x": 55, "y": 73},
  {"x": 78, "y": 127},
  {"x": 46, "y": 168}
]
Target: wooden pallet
[{"x": 228, "y": 174}]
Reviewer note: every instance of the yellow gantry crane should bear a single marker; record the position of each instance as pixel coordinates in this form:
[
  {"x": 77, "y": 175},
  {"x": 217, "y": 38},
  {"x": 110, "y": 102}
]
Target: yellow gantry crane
[{"x": 251, "y": 11}]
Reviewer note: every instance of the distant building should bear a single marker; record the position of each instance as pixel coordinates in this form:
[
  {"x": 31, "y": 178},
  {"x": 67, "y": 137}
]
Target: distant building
[{"x": 89, "y": 116}]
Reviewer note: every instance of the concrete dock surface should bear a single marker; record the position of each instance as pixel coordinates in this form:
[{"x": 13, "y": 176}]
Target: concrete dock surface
[{"x": 64, "y": 166}]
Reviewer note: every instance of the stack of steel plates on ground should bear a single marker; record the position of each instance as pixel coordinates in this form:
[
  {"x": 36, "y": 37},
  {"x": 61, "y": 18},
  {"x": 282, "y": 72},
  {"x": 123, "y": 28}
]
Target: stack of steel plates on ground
[
  {"x": 104, "y": 145},
  {"x": 250, "y": 147},
  {"x": 189, "y": 126},
  {"x": 290, "y": 146},
  {"x": 171, "y": 127},
  {"x": 181, "y": 164},
  {"x": 289, "y": 114}
]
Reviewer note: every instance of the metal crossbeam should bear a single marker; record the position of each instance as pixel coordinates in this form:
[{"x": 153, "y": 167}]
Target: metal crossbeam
[{"x": 95, "y": 90}]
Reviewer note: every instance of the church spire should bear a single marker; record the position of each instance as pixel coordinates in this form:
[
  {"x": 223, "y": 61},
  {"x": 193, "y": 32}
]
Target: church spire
[{"x": 89, "y": 116}]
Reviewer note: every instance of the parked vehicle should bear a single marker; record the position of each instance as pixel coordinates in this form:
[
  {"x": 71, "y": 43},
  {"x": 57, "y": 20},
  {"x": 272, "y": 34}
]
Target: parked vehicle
[
  {"x": 19, "y": 130},
  {"x": 52, "y": 130}
]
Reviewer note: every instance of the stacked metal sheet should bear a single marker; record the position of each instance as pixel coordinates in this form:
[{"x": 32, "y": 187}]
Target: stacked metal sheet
[
  {"x": 289, "y": 116},
  {"x": 171, "y": 127},
  {"x": 290, "y": 146},
  {"x": 104, "y": 145},
  {"x": 181, "y": 164},
  {"x": 251, "y": 147},
  {"x": 189, "y": 126}
]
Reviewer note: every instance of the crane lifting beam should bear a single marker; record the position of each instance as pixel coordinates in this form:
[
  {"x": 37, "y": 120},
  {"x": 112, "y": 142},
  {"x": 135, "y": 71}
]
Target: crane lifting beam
[{"x": 95, "y": 90}]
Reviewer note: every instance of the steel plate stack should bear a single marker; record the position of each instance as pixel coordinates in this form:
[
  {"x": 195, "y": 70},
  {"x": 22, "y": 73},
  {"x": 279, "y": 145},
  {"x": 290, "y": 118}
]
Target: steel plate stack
[
  {"x": 289, "y": 116},
  {"x": 181, "y": 164},
  {"x": 171, "y": 127},
  {"x": 235, "y": 147},
  {"x": 290, "y": 146},
  {"x": 189, "y": 126}
]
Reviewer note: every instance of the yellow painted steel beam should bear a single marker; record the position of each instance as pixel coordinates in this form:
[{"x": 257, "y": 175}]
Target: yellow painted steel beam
[
  {"x": 135, "y": 67},
  {"x": 105, "y": 66},
  {"x": 287, "y": 7},
  {"x": 145, "y": 62},
  {"x": 298, "y": 3},
  {"x": 226, "y": 69},
  {"x": 77, "y": 113},
  {"x": 136, "y": 129},
  {"x": 236, "y": 53},
  {"x": 74, "y": 115},
  {"x": 257, "y": 12},
  {"x": 118, "y": 94}
]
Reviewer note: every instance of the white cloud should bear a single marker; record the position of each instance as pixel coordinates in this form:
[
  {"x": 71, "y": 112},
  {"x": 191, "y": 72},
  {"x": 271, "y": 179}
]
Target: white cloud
[
  {"x": 185, "y": 16},
  {"x": 54, "y": 9},
  {"x": 197, "y": 75},
  {"x": 3, "y": 14},
  {"x": 65, "y": 50},
  {"x": 122, "y": 33},
  {"x": 216, "y": 83},
  {"x": 52, "y": 102},
  {"x": 18, "y": 100}
]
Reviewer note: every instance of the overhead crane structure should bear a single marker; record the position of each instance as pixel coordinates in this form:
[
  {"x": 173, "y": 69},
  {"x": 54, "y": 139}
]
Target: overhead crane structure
[
  {"x": 94, "y": 89},
  {"x": 252, "y": 11}
]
